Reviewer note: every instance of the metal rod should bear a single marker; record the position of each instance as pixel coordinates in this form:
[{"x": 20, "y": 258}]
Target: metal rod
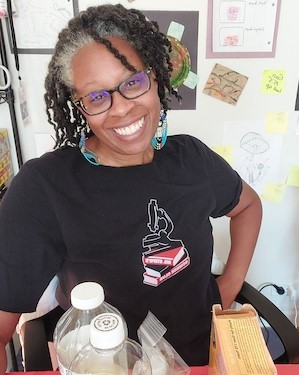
[{"x": 11, "y": 101}]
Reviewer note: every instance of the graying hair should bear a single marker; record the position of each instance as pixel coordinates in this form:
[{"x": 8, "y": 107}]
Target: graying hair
[{"x": 97, "y": 24}]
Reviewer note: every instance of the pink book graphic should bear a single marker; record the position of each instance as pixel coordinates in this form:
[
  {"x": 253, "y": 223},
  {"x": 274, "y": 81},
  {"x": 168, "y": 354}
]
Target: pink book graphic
[
  {"x": 164, "y": 256},
  {"x": 166, "y": 273}
]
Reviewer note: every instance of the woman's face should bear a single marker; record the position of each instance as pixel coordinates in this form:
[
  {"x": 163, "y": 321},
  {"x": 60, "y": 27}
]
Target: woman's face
[{"x": 124, "y": 132}]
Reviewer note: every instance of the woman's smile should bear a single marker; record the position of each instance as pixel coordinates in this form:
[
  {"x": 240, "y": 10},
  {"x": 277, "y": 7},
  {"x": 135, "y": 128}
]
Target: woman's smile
[{"x": 131, "y": 129}]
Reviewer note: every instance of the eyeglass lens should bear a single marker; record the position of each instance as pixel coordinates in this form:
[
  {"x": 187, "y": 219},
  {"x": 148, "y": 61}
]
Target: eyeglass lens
[{"x": 133, "y": 86}]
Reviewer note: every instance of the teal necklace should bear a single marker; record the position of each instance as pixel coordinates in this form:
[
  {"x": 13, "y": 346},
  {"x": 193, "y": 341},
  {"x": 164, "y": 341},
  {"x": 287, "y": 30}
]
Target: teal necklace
[{"x": 89, "y": 155}]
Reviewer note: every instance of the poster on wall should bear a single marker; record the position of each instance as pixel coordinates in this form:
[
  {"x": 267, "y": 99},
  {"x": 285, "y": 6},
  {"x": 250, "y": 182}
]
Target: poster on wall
[
  {"x": 35, "y": 24},
  {"x": 242, "y": 28},
  {"x": 182, "y": 29}
]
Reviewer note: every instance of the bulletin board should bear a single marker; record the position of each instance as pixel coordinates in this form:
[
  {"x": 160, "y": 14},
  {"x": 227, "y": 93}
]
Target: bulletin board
[
  {"x": 242, "y": 28},
  {"x": 37, "y": 23}
]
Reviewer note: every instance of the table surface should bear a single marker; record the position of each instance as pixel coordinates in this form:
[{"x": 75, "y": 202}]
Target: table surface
[{"x": 282, "y": 370}]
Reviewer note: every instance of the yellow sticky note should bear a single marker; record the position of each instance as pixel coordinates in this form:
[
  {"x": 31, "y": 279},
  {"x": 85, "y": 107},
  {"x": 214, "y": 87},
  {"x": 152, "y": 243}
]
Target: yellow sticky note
[
  {"x": 273, "y": 192},
  {"x": 276, "y": 122},
  {"x": 226, "y": 152},
  {"x": 273, "y": 81},
  {"x": 293, "y": 177}
]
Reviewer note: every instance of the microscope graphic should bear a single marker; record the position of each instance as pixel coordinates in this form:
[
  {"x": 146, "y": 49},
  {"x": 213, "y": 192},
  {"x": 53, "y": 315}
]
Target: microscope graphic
[{"x": 164, "y": 256}]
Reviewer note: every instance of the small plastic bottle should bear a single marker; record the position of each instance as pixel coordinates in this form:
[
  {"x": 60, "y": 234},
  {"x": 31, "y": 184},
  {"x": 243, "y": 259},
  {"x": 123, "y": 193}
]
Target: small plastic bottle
[
  {"x": 109, "y": 352},
  {"x": 72, "y": 330}
]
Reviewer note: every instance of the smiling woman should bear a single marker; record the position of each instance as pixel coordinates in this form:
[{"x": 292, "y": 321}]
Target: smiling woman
[
  {"x": 117, "y": 193},
  {"x": 124, "y": 116}
]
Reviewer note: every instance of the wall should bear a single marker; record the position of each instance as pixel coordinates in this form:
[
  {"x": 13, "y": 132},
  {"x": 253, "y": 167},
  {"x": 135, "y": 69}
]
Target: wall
[{"x": 277, "y": 253}]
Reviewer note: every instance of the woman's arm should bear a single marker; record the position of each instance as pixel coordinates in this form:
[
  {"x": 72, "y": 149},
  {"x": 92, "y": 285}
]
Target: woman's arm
[
  {"x": 8, "y": 322},
  {"x": 244, "y": 229}
]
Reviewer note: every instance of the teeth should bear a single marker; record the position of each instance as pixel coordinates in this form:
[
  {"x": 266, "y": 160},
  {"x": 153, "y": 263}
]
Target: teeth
[{"x": 131, "y": 129}]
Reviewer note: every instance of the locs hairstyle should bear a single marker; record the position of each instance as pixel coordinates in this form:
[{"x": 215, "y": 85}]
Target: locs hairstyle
[{"x": 98, "y": 24}]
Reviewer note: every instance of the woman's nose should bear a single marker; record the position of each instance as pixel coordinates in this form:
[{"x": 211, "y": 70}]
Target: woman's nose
[{"x": 120, "y": 105}]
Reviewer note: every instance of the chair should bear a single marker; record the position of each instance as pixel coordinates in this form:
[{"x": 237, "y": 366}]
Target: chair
[
  {"x": 37, "y": 332},
  {"x": 36, "y": 335},
  {"x": 283, "y": 327},
  {"x": 12, "y": 354}
]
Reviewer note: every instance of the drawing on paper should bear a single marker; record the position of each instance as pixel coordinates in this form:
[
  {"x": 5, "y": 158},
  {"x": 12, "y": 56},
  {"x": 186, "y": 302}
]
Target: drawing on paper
[
  {"x": 37, "y": 24},
  {"x": 242, "y": 28},
  {"x": 225, "y": 84},
  {"x": 231, "y": 13},
  {"x": 256, "y": 153},
  {"x": 253, "y": 168}
]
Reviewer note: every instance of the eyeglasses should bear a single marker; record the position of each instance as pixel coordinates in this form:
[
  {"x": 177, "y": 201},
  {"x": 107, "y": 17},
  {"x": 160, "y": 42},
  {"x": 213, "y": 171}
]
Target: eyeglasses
[{"x": 100, "y": 101}]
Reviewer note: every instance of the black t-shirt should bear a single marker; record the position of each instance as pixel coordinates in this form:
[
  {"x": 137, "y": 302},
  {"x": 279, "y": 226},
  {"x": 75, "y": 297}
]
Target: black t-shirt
[{"x": 142, "y": 232}]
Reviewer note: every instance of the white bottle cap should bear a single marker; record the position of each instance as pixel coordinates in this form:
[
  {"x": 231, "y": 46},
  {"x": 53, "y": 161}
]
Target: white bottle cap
[
  {"x": 88, "y": 295},
  {"x": 107, "y": 331}
]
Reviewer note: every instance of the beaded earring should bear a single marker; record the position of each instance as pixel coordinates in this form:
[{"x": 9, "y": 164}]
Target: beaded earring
[
  {"x": 160, "y": 137},
  {"x": 89, "y": 155}
]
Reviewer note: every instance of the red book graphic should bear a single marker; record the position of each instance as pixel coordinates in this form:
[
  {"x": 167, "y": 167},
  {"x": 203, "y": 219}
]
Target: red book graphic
[
  {"x": 165, "y": 256},
  {"x": 171, "y": 271}
]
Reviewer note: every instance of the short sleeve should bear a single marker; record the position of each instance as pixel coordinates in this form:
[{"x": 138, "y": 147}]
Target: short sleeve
[{"x": 224, "y": 182}]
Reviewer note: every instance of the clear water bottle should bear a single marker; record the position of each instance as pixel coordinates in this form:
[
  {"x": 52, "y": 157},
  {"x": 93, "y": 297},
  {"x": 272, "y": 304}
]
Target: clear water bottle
[
  {"x": 109, "y": 352},
  {"x": 72, "y": 330}
]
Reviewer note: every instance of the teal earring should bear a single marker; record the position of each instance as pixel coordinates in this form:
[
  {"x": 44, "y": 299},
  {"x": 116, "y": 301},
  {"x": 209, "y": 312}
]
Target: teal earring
[
  {"x": 160, "y": 137},
  {"x": 89, "y": 155}
]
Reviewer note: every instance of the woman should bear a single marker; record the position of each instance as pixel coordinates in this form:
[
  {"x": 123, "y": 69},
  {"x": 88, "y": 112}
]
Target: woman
[{"x": 118, "y": 202}]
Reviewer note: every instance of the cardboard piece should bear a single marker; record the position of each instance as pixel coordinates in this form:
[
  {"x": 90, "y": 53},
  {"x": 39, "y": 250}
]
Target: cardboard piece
[
  {"x": 6, "y": 169},
  {"x": 237, "y": 344}
]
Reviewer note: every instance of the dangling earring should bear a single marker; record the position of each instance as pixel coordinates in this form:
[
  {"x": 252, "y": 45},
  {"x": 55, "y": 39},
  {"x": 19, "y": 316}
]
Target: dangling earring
[
  {"x": 89, "y": 155},
  {"x": 160, "y": 137}
]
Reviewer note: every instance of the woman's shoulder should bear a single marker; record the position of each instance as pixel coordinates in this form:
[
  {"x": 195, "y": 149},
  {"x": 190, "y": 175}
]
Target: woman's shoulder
[
  {"x": 60, "y": 156},
  {"x": 186, "y": 142},
  {"x": 52, "y": 163}
]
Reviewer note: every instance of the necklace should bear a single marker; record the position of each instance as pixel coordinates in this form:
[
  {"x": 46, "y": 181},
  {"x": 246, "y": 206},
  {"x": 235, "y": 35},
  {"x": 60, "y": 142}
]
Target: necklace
[{"x": 90, "y": 156}]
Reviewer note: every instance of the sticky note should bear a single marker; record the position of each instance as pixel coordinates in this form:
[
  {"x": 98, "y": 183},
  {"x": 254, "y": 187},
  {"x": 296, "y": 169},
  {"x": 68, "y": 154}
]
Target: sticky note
[
  {"x": 226, "y": 152},
  {"x": 191, "y": 80},
  {"x": 273, "y": 81},
  {"x": 277, "y": 122},
  {"x": 293, "y": 177},
  {"x": 273, "y": 192},
  {"x": 176, "y": 30}
]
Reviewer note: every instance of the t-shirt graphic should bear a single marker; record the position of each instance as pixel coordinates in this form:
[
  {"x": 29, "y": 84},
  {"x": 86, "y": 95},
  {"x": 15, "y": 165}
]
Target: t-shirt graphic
[{"x": 164, "y": 256}]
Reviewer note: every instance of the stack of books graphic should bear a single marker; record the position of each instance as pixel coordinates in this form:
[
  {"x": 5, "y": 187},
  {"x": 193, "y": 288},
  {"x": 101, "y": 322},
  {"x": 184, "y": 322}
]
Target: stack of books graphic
[{"x": 164, "y": 263}]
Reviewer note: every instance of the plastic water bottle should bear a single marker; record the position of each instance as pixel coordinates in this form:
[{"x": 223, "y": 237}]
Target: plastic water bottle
[
  {"x": 109, "y": 352},
  {"x": 72, "y": 330}
]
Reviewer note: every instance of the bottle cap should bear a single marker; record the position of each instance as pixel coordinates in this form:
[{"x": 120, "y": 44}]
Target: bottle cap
[
  {"x": 88, "y": 295},
  {"x": 107, "y": 331}
]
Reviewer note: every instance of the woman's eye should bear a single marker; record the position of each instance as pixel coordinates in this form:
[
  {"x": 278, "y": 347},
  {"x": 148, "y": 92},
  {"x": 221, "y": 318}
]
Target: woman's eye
[
  {"x": 95, "y": 97},
  {"x": 98, "y": 96},
  {"x": 132, "y": 83}
]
